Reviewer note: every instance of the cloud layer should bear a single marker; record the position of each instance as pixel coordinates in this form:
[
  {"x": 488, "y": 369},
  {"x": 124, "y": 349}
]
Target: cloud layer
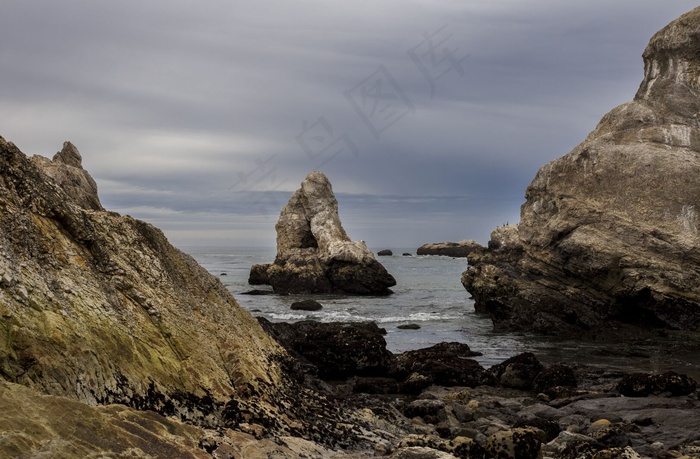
[{"x": 430, "y": 118}]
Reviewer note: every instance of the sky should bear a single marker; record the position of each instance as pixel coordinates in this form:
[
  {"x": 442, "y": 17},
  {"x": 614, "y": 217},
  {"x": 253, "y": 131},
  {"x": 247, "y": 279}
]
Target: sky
[{"x": 430, "y": 118}]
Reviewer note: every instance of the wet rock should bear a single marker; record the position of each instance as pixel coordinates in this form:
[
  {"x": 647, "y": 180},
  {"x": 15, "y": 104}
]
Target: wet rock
[
  {"x": 385, "y": 253},
  {"x": 558, "y": 375},
  {"x": 617, "y": 453},
  {"x": 409, "y": 327},
  {"x": 338, "y": 350},
  {"x": 551, "y": 429},
  {"x": 642, "y": 384},
  {"x": 518, "y": 372},
  {"x": 315, "y": 254},
  {"x": 406, "y": 254},
  {"x": 445, "y": 364},
  {"x": 598, "y": 245},
  {"x": 450, "y": 249},
  {"x": 306, "y": 305}
]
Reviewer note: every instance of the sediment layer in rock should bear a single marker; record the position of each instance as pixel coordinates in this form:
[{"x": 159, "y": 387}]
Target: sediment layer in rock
[{"x": 609, "y": 232}]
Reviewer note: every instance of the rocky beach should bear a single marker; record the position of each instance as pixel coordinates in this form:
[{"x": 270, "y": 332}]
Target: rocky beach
[{"x": 114, "y": 343}]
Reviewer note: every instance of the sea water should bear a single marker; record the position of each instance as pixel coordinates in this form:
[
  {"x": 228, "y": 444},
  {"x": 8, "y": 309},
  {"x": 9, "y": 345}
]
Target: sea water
[{"x": 429, "y": 293}]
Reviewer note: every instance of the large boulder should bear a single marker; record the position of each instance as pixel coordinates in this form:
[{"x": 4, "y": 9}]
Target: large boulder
[
  {"x": 315, "y": 254},
  {"x": 609, "y": 232}
]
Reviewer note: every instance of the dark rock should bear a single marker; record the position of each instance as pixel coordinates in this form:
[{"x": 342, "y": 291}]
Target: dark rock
[
  {"x": 643, "y": 384},
  {"x": 518, "y": 372},
  {"x": 550, "y": 428},
  {"x": 385, "y": 253},
  {"x": 257, "y": 292},
  {"x": 424, "y": 408},
  {"x": 450, "y": 249},
  {"x": 599, "y": 244},
  {"x": 445, "y": 364},
  {"x": 315, "y": 254},
  {"x": 406, "y": 254},
  {"x": 520, "y": 443},
  {"x": 338, "y": 350},
  {"x": 307, "y": 305},
  {"x": 557, "y": 375},
  {"x": 409, "y": 327}
]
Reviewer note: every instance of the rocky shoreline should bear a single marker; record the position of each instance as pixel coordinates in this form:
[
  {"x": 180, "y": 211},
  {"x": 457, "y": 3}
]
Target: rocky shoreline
[{"x": 442, "y": 404}]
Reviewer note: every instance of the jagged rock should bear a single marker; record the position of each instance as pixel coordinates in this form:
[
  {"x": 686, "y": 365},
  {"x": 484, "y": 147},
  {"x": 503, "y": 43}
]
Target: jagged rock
[
  {"x": 66, "y": 170},
  {"x": 451, "y": 249},
  {"x": 100, "y": 309},
  {"x": 315, "y": 254},
  {"x": 609, "y": 232}
]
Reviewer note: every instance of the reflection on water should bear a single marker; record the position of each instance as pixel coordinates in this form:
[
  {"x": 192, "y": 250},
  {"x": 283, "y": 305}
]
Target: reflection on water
[{"x": 429, "y": 293}]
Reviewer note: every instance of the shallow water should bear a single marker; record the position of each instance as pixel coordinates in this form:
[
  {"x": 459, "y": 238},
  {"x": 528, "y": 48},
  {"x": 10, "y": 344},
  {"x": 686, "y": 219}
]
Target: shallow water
[{"x": 429, "y": 293}]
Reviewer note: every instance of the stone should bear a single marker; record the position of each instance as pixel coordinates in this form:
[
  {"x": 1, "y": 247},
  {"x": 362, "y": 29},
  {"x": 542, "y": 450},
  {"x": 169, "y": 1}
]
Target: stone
[
  {"x": 600, "y": 244},
  {"x": 643, "y": 384},
  {"x": 306, "y": 305},
  {"x": 409, "y": 327},
  {"x": 406, "y": 254},
  {"x": 338, "y": 350},
  {"x": 445, "y": 364},
  {"x": 557, "y": 375},
  {"x": 518, "y": 372},
  {"x": 450, "y": 249},
  {"x": 519, "y": 443},
  {"x": 385, "y": 253},
  {"x": 66, "y": 170},
  {"x": 315, "y": 254}
]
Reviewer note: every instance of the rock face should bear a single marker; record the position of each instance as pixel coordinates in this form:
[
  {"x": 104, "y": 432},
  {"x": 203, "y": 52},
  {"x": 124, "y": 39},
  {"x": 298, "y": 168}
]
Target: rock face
[
  {"x": 450, "y": 249},
  {"x": 314, "y": 253},
  {"x": 609, "y": 232}
]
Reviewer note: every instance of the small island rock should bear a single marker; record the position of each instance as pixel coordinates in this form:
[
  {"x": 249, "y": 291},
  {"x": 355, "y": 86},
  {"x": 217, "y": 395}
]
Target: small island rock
[
  {"x": 385, "y": 253},
  {"x": 315, "y": 254},
  {"x": 450, "y": 249}
]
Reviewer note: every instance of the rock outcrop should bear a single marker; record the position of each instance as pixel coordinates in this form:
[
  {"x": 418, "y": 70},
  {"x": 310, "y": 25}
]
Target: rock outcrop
[
  {"x": 609, "y": 232},
  {"x": 315, "y": 254},
  {"x": 66, "y": 170},
  {"x": 450, "y": 249},
  {"x": 98, "y": 309}
]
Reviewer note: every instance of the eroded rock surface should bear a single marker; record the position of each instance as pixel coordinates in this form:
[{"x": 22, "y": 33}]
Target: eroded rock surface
[
  {"x": 314, "y": 253},
  {"x": 609, "y": 232}
]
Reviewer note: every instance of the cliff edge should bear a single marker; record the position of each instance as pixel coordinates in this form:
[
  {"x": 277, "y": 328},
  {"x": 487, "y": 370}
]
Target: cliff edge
[{"x": 609, "y": 232}]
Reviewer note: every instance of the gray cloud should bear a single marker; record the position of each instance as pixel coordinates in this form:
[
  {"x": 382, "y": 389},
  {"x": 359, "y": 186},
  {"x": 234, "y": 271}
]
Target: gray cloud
[{"x": 189, "y": 116}]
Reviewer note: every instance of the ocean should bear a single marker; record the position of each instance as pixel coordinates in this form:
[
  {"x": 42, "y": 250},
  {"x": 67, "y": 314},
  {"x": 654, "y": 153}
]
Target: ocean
[{"x": 429, "y": 294}]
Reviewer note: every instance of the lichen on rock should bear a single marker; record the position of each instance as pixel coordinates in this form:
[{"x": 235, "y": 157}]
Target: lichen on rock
[{"x": 314, "y": 253}]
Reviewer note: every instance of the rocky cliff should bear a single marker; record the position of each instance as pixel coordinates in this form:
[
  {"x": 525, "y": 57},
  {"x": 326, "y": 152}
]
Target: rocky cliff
[
  {"x": 450, "y": 249},
  {"x": 610, "y": 230},
  {"x": 314, "y": 253},
  {"x": 98, "y": 309}
]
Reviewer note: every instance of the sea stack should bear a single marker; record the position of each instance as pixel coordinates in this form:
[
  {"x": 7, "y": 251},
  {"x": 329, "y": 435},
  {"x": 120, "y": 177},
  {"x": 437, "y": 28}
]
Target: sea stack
[
  {"x": 609, "y": 232},
  {"x": 315, "y": 254}
]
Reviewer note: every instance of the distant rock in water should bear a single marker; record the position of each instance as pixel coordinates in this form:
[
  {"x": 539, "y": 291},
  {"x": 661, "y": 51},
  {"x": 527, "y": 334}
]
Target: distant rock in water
[
  {"x": 306, "y": 305},
  {"x": 450, "y": 249},
  {"x": 66, "y": 170},
  {"x": 609, "y": 232},
  {"x": 314, "y": 253},
  {"x": 385, "y": 253}
]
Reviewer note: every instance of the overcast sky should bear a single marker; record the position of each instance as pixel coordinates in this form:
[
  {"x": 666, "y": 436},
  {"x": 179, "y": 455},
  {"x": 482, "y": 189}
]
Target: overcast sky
[{"x": 430, "y": 118}]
